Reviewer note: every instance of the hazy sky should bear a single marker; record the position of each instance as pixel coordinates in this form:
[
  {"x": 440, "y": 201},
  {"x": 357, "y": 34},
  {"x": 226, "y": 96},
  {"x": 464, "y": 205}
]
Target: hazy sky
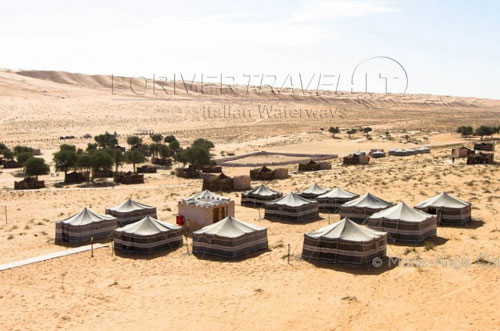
[{"x": 446, "y": 47}]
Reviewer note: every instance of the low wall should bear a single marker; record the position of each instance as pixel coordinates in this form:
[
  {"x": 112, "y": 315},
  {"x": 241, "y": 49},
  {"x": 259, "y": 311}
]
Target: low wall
[{"x": 317, "y": 157}]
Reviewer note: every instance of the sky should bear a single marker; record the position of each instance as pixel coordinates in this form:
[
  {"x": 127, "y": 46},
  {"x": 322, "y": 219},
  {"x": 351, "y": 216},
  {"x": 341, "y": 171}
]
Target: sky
[{"x": 438, "y": 47}]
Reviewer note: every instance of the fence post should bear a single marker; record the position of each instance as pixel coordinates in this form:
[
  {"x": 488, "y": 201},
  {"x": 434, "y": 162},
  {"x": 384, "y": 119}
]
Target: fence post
[
  {"x": 288, "y": 253},
  {"x": 91, "y": 246}
]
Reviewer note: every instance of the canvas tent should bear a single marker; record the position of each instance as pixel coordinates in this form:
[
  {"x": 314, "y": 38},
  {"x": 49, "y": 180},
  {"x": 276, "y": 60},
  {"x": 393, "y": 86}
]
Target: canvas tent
[
  {"x": 313, "y": 191},
  {"x": 229, "y": 238},
  {"x": 449, "y": 210},
  {"x": 291, "y": 207},
  {"x": 331, "y": 201},
  {"x": 203, "y": 209},
  {"x": 403, "y": 223},
  {"x": 258, "y": 196},
  {"x": 84, "y": 226},
  {"x": 344, "y": 242},
  {"x": 220, "y": 183},
  {"x": 359, "y": 209},
  {"x": 147, "y": 236},
  {"x": 131, "y": 211}
]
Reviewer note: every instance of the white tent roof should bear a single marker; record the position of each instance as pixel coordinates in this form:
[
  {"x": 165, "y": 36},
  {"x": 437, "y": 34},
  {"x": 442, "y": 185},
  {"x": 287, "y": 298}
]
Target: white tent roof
[
  {"x": 86, "y": 216},
  {"x": 315, "y": 189},
  {"x": 229, "y": 227},
  {"x": 346, "y": 229},
  {"x": 291, "y": 200},
  {"x": 442, "y": 200},
  {"x": 402, "y": 212},
  {"x": 206, "y": 198},
  {"x": 129, "y": 206},
  {"x": 148, "y": 226},
  {"x": 338, "y": 193},
  {"x": 262, "y": 191},
  {"x": 368, "y": 201}
]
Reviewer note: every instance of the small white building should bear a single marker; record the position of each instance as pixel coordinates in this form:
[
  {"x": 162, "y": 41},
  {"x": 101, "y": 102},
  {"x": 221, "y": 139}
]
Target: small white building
[{"x": 203, "y": 209}]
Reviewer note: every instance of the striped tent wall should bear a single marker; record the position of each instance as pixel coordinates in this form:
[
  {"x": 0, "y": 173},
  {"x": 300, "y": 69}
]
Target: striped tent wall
[{"x": 229, "y": 248}]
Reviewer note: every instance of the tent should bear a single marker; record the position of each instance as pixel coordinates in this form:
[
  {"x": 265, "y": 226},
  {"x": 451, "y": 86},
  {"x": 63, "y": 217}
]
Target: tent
[
  {"x": 229, "y": 238},
  {"x": 82, "y": 227},
  {"x": 263, "y": 173},
  {"x": 131, "y": 211},
  {"x": 220, "y": 183},
  {"x": 449, "y": 210},
  {"x": 344, "y": 242},
  {"x": 313, "y": 191},
  {"x": 291, "y": 207},
  {"x": 147, "y": 236},
  {"x": 258, "y": 196},
  {"x": 331, "y": 201},
  {"x": 359, "y": 209},
  {"x": 403, "y": 223},
  {"x": 203, "y": 209}
]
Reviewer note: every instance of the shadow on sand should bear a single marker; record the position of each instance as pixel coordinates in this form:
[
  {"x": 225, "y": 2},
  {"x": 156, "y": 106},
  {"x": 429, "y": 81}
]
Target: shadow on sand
[
  {"x": 213, "y": 258},
  {"x": 139, "y": 256},
  {"x": 436, "y": 241},
  {"x": 376, "y": 267}
]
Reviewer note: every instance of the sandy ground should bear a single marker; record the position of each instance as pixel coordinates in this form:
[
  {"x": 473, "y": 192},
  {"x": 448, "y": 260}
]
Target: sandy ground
[{"x": 177, "y": 290}]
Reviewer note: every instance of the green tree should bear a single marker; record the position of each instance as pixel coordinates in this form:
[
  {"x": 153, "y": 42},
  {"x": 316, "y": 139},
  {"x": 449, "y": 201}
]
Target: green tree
[
  {"x": 2, "y": 147},
  {"x": 169, "y": 139},
  {"x": 154, "y": 149},
  {"x": 203, "y": 143},
  {"x": 164, "y": 151},
  {"x": 334, "y": 130},
  {"x": 367, "y": 130},
  {"x": 174, "y": 146},
  {"x": 67, "y": 147},
  {"x": 117, "y": 155},
  {"x": 22, "y": 149},
  {"x": 134, "y": 141},
  {"x": 350, "y": 132},
  {"x": 181, "y": 156},
  {"x": 465, "y": 131},
  {"x": 23, "y": 157},
  {"x": 106, "y": 140},
  {"x": 7, "y": 153},
  {"x": 100, "y": 161},
  {"x": 65, "y": 159},
  {"x": 36, "y": 167},
  {"x": 134, "y": 157},
  {"x": 157, "y": 138},
  {"x": 484, "y": 131}
]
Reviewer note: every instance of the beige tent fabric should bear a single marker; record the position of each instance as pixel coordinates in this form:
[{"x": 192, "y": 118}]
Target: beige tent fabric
[
  {"x": 291, "y": 207},
  {"x": 313, "y": 191},
  {"x": 331, "y": 201},
  {"x": 84, "y": 226},
  {"x": 131, "y": 211},
  {"x": 359, "y": 209},
  {"x": 147, "y": 236},
  {"x": 449, "y": 210},
  {"x": 344, "y": 242},
  {"x": 229, "y": 238},
  {"x": 404, "y": 223}
]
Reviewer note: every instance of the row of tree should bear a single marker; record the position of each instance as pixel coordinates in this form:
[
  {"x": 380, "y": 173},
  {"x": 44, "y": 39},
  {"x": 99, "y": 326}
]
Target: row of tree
[
  {"x": 33, "y": 166},
  {"x": 335, "y": 129},
  {"x": 106, "y": 152},
  {"x": 481, "y": 131}
]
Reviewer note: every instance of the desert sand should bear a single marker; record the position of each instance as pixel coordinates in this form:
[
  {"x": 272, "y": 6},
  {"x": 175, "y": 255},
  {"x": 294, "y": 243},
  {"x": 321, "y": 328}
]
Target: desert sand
[{"x": 178, "y": 290}]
